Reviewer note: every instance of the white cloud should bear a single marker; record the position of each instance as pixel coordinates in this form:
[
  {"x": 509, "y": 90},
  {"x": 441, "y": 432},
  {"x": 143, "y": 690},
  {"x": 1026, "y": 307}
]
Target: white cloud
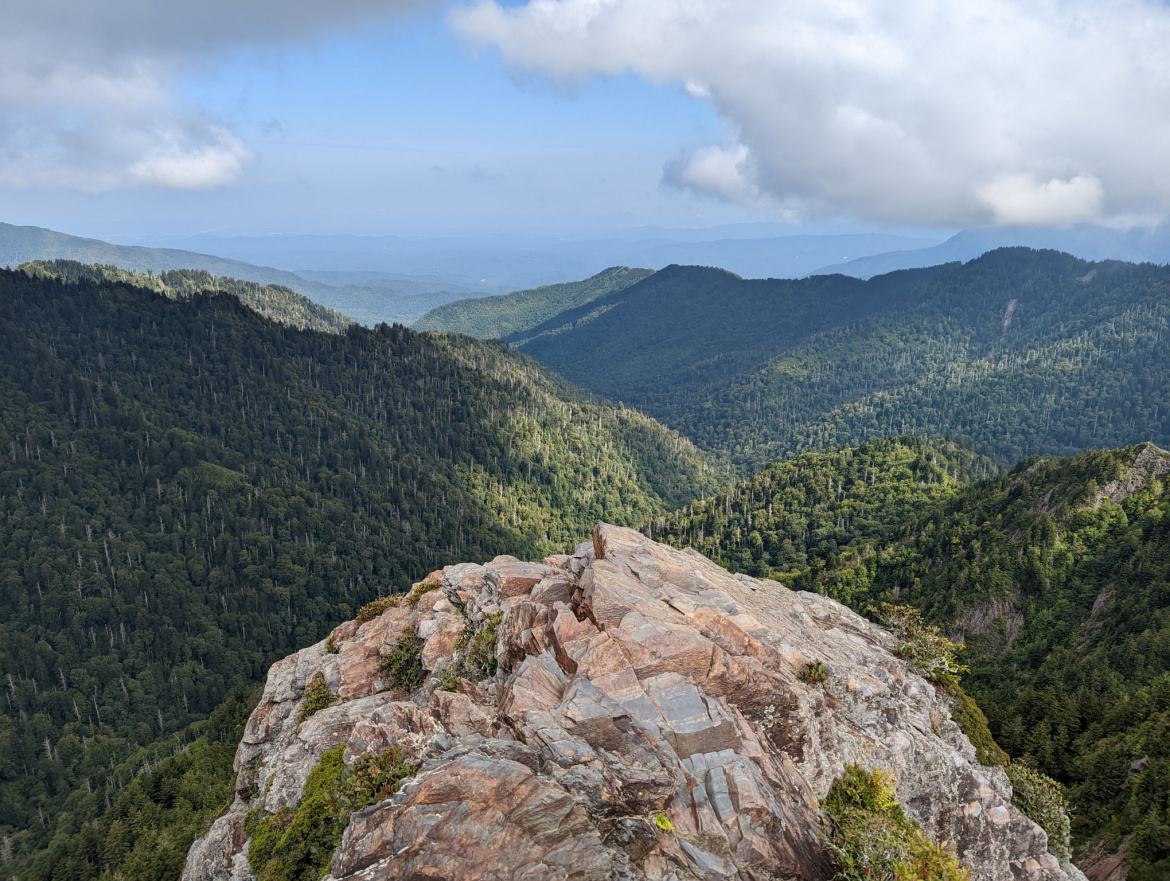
[
  {"x": 716, "y": 171},
  {"x": 86, "y": 88},
  {"x": 1021, "y": 200},
  {"x": 183, "y": 167},
  {"x": 947, "y": 112}
]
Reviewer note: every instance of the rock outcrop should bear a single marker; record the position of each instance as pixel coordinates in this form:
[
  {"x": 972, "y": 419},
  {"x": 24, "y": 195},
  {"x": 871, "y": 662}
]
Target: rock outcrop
[{"x": 647, "y": 720}]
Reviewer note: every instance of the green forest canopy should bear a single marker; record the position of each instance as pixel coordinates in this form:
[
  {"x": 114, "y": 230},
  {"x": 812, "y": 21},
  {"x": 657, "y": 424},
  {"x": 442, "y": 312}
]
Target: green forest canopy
[{"x": 272, "y": 301}]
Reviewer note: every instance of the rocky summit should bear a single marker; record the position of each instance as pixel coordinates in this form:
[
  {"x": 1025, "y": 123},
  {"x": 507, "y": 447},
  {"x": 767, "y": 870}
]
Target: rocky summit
[{"x": 643, "y": 716}]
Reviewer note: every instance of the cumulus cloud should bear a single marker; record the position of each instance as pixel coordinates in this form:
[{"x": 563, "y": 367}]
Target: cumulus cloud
[
  {"x": 717, "y": 171},
  {"x": 86, "y": 89},
  {"x": 948, "y": 112}
]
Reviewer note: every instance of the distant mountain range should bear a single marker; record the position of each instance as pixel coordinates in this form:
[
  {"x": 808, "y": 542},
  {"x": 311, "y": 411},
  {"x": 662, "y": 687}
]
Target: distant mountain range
[
  {"x": 500, "y": 263},
  {"x": 1088, "y": 242},
  {"x": 366, "y": 298},
  {"x": 373, "y": 279}
]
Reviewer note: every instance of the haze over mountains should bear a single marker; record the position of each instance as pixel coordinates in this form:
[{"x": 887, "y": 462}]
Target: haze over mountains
[
  {"x": 500, "y": 263},
  {"x": 366, "y": 298},
  {"x": 1136, "y": 245},
  {"x": 373, "y": 279}
]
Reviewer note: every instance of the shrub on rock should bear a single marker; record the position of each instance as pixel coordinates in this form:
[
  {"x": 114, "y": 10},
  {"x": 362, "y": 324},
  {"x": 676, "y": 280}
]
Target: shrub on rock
[
  {"x": 874, "y": 840},
  {"x": 373, "y": 609},
  {"x": 923, "y": 644},
  {"x": 317, "y": 697},
  {"x": 403, "y": 668},
  {"x": 1041, "y": 798}
]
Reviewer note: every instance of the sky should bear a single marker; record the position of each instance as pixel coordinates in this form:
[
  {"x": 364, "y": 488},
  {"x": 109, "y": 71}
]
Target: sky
[{"x": 137, "y": 120}]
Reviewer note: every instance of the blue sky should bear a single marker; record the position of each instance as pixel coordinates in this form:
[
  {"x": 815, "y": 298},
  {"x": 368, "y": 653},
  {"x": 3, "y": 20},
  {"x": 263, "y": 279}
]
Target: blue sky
[
  {"x": 140, "y": 120},
  {"x": 395, "y": 128}
]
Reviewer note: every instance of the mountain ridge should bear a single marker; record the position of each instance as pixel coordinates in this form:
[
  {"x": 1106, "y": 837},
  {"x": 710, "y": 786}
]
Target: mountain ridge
[
  {"x": 510, "y": 316},
  {"x": 368, "y": 303},
  {"x": 276, "y": 302},
  {"x": 1024, "y": 351},
  {"x": 1086, "y": 242}
]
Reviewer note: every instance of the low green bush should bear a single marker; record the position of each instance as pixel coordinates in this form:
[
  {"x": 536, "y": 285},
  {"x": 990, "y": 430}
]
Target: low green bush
[
  {"x": 372, "y": 610},
  {"x": 374, "y": 778},
  {"x": 418, "y": 590},
  {"x": 403, "y": 668},
  {"x": 874, "y": 840},
  {"x": 449, "y": 676},
  {"x": 1041, "y": 798},
  {"x": 814, "y": 673},
  {"x": 477, "y": 648},
  {"x": 923, "y": 644},
  {"x": 317, "y": 697}
]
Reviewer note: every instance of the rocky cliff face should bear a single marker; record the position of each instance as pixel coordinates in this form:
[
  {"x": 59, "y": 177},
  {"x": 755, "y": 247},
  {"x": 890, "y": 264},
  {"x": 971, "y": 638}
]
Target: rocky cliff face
[{"x": 646, "y": 721}]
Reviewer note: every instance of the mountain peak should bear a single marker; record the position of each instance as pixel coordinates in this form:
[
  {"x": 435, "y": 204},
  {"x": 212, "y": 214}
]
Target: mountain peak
[{"x": 629, "y": 710}]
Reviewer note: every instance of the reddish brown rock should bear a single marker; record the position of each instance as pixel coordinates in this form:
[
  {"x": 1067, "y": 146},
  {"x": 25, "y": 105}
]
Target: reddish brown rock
[
  {"x": 638, "y": 688},
  {"x": 1099, "y": 864}
]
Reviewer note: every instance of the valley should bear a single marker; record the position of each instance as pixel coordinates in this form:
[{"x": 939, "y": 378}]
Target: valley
[{"x": 201, "y": 476}]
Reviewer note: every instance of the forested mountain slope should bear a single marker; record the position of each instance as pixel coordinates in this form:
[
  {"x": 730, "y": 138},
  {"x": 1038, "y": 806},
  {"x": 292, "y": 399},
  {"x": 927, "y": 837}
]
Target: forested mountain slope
[
  {"x": 189, "y": 491},
  {"x": 272, "y": 301},
  {"x": 685, "y": 332},
  {"x": 1056, "y": 575},
  {"x": 797, "y": 518},
  {"x": 511, "y": 316},
  {"x": 1024, "y": 351}
]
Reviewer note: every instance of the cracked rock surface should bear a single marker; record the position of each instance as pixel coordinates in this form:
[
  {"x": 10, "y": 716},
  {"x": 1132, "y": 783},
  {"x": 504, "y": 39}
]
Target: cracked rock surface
[{"x": 646, "y": 722}]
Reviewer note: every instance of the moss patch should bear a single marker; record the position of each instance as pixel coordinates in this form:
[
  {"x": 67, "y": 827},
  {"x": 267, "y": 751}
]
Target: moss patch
[
  {"x": 966, "y": 714},
  {"x": 872, "y": 838},
  {"x": 297, "y": 844}
]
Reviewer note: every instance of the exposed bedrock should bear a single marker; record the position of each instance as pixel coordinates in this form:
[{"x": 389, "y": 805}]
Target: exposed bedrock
[{"x": 646, "y": 721}]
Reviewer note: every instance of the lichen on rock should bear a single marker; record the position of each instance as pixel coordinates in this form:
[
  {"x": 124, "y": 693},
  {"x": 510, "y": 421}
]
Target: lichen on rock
[{"x": 634, "y": 712}]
